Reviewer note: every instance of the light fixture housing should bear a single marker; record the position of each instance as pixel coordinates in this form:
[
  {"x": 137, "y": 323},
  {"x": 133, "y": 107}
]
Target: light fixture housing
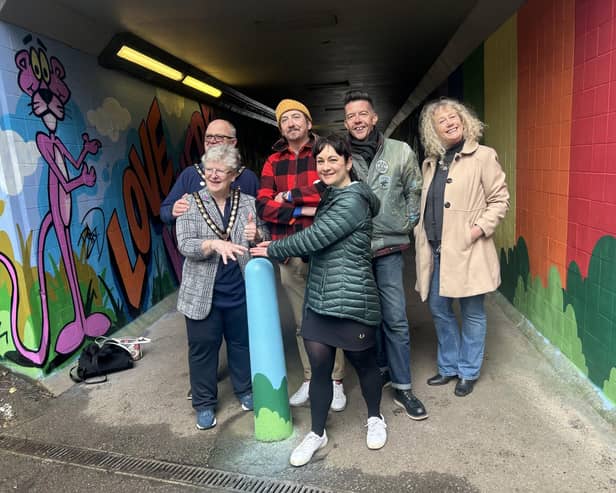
[{"x": 179, "y": 77}]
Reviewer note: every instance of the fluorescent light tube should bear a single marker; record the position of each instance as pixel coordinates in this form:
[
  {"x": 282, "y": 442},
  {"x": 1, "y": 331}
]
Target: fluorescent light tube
[
  {"x": 149, "y": 63},
  {"x": 201, "y": 86}
]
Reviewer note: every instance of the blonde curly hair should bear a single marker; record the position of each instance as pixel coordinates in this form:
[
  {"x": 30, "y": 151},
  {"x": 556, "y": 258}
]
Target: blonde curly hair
[{"x": 433, "y": 147}]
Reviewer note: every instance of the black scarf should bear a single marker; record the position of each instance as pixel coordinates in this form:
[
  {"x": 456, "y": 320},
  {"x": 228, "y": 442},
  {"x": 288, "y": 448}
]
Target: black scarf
[
  {"x": 447, "y": 158},
  {"x": 366, "y": 148}
]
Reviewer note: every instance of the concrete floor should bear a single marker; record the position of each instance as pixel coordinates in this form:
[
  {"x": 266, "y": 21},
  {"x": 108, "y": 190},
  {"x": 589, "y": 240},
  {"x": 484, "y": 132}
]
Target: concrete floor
[{"x": 531, "y": 424}]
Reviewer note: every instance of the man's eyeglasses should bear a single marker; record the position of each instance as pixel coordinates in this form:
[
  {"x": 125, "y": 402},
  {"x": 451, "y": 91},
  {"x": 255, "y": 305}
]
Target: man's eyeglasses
[
  {"x": 218, "y": 138},
  {"x": 215, "y": 171}
]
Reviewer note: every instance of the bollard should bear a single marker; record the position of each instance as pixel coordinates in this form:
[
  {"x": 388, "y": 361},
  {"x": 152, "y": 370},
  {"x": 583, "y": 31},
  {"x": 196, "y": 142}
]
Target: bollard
[{"x": 267, "y": 363}]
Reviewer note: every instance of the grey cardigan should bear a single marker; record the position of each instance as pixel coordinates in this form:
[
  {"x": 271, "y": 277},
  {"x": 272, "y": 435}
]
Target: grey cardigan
[{"x": 199, "y": 271}]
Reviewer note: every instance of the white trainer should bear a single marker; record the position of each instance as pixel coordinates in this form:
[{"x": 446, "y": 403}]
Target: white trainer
[
  {"x": 301, "y": 396},
  {"x": 305, "y": 450},
  {"x": 377, "y": 433},
  {"x": 339, "y": 400}
]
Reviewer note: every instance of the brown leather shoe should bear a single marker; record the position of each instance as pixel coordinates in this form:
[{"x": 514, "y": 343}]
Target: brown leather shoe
[{"x": 439, "y": 379}]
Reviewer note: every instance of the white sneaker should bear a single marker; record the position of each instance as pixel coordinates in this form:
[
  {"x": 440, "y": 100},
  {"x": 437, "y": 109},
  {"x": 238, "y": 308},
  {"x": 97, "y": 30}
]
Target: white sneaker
[
  {"x": 301, "y": 396},
  {"x": 339, "y": 400},
  {"x": 305, "y": 450},
  {"x": 377, "y": 433}
]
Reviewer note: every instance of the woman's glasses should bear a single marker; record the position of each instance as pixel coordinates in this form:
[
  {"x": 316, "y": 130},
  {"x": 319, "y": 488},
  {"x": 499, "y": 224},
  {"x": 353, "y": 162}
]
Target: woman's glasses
[{"x": 215, "y": 171}]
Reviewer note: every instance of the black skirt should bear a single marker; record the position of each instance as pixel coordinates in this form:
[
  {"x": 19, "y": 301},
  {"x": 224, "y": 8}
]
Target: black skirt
[{"x": 337, "y": 332}]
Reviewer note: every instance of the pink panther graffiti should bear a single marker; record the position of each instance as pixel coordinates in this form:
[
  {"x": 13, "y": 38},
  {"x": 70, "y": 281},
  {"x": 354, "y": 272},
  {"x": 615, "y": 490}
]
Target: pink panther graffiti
[{"x": 43, "y": 80}]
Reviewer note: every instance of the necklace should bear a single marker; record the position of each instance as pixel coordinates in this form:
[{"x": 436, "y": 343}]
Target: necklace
[
  {"x": 201, "y": 174},
  {"x": 444, "y": 166},
  {"x": 235, "y": 201}
]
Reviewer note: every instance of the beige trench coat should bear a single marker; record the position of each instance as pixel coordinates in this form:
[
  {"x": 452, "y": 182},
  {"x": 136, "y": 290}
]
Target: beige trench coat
[{"x": 476, "y": 193}]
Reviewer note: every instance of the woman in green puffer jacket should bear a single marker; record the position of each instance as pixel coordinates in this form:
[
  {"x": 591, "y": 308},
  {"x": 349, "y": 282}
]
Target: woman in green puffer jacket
[{"x": 341, "y": 303}]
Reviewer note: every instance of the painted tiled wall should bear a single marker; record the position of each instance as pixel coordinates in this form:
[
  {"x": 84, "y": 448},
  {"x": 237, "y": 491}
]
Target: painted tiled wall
[
  {"x": 564, "y": 264},
  {"x": 86, "y": 157},
  {"x": 549, "y": 92},
  {"x": 501, "y": 101},
  {"x": 591, "y": 252},
  {"x": 545, "y": 75},
  {"x": 473, "y": 81},
  {"x": 592, "y": 209}
]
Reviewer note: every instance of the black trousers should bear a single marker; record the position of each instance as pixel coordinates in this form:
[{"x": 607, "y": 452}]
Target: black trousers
[{"x": 204, "y": 341}]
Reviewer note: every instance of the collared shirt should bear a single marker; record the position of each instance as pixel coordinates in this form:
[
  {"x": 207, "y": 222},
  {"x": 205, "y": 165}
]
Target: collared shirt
[{"x": 286, "y": 171}]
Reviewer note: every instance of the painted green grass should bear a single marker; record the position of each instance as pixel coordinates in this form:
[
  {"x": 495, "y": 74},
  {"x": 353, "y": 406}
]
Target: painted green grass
[
  {"x": 60, "y": 303},
  {"x": 271, "y": 408},
  {"x": 594, "y": 301},
  {"x": 271, "y": 427},
  {"x": 609, "y": 387},
  {"x": 544, "y": 308},
  {"x": 162, "y": 284},
  {"x": 581, "y": 319},
  {"x": 97, "y": 296}
]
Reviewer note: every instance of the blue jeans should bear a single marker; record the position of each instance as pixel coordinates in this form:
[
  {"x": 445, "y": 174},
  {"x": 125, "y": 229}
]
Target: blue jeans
[
  {"x": 392, "y": 341},
  {"x": 204, "y": 340},
  {"x": 460, "y": 352}
]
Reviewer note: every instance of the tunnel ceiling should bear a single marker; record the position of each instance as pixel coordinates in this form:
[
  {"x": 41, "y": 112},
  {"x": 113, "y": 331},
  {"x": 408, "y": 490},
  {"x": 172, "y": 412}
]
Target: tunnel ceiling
[{"x": 313, "y": 51}]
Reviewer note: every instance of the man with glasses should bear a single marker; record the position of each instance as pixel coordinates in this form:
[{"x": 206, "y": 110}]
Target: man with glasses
[
  {"x": 192, "y": 178},
  {"x": 287, "y": 201},
  {"x": 390, "y": 168}
]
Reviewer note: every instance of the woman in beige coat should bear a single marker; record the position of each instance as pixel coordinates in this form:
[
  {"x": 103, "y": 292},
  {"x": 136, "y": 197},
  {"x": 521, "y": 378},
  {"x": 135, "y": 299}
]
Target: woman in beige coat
[{"x": 464, "y": 197}]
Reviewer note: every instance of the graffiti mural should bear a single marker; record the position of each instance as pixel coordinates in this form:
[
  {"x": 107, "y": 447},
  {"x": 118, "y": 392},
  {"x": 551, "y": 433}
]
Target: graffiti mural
[
  {"x": 42, "y": 79},
  {"x": 86, "y": 158},
  {"x": 145, "y": 182}
]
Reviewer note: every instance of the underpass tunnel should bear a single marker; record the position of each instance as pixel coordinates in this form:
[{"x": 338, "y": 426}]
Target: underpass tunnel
[{"x": 541, "y": 75}]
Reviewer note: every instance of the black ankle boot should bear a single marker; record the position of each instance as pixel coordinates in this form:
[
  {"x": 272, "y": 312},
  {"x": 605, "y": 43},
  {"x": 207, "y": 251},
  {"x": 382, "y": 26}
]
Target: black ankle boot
[
  {"x": 464, "y": 387},
  {"x": 439, "y": 379}
]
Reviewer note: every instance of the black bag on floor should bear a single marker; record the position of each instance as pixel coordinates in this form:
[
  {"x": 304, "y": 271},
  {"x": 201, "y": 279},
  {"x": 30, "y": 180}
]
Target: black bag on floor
[{"x": 99, "y": 360}]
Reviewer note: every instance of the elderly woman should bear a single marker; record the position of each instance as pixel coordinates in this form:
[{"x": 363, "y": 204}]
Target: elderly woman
[
  {"x": 214, "y": 236},
  {"x": 342, "y": 302},
  {"x": 464, "y": 198}
]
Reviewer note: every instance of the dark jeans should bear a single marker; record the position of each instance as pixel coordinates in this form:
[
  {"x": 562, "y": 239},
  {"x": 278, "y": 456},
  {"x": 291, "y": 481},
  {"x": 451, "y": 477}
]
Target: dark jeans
[
  {"x": 204, "y": 340},
  {"x": 393, "y": 341}
]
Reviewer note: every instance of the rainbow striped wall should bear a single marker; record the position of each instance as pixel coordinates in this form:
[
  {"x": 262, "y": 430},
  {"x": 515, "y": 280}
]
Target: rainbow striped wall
[{"x": 549, "y": 100}]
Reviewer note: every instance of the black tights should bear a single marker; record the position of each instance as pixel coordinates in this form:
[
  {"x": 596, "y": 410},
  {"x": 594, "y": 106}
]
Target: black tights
[{"x": 321, "y": 358}]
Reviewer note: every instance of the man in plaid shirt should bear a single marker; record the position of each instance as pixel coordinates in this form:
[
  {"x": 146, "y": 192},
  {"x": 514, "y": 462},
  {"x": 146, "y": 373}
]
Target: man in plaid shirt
[{"x": 287, "y": 201}]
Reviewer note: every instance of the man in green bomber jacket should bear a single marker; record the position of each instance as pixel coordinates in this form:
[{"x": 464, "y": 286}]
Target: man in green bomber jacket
[{"x": 391, "y": 170}]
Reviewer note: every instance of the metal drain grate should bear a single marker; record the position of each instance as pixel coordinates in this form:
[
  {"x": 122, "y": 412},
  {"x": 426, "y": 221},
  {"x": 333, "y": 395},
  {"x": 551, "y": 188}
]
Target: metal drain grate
[{"x": 151, "y": 468}]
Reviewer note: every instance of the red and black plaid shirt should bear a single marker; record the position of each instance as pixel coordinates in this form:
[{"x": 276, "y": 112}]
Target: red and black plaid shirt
[{"x": 284, "y": 171}]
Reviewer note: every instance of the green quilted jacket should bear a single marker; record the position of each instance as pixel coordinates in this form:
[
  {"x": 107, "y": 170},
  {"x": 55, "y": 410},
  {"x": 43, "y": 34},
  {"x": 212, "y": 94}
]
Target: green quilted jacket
[{"x": 340, "y": 280}]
